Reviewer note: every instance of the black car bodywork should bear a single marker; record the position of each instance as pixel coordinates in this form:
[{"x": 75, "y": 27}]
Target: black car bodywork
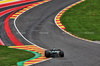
[{"x": 54, "y": 53}]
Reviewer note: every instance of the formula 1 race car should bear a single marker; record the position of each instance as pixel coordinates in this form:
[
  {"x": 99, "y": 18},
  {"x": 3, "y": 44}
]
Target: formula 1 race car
[{"x": 54, "y": 53}]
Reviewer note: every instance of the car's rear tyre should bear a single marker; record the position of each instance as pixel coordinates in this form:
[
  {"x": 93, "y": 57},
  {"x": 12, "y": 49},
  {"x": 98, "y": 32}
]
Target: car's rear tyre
[
  {"x": 47, "y": 54},
  {"x": 61, "y": 54}
]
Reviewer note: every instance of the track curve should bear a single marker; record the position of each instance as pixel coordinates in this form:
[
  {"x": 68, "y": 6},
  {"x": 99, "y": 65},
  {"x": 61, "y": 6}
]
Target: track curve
[{"x": 38, "y": 26}]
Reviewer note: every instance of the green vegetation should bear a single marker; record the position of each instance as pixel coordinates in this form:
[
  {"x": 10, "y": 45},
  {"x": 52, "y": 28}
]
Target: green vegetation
[
  {"x": 83, "y": 20},
  {"x": 10, "y": 56}
]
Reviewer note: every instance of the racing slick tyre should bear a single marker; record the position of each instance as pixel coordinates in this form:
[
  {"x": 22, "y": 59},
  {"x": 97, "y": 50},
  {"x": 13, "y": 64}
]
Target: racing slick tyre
[
  {"x": 61, "y": 54},
  {"x": 47, "y": 54}
]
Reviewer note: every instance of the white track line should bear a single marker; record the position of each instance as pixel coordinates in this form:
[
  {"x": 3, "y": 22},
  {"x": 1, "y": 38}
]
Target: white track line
[
  {"x": 68, "y": 33},
  {"x": 30, "y": 41},
  {"x": 41, "y": 61},
  {"x": 24, "y": 37},
  {"x": 21, "y": 33}
]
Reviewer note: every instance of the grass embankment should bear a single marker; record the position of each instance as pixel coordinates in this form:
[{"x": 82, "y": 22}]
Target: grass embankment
[
  {"x": 83, "y": 20},
  {"x": 10, "y": 56}
]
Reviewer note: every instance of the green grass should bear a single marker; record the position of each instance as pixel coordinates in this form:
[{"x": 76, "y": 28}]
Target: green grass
[
  {"x": 10, "y": 56},
  {"x": 83, "y": 20}
]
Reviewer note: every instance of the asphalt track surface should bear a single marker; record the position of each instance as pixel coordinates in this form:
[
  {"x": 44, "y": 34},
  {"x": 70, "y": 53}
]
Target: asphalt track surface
[
  {"x": 9, "y": 7},
  {"x": 38, "y": 26},
  {"x": 3, "y": 34}
]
